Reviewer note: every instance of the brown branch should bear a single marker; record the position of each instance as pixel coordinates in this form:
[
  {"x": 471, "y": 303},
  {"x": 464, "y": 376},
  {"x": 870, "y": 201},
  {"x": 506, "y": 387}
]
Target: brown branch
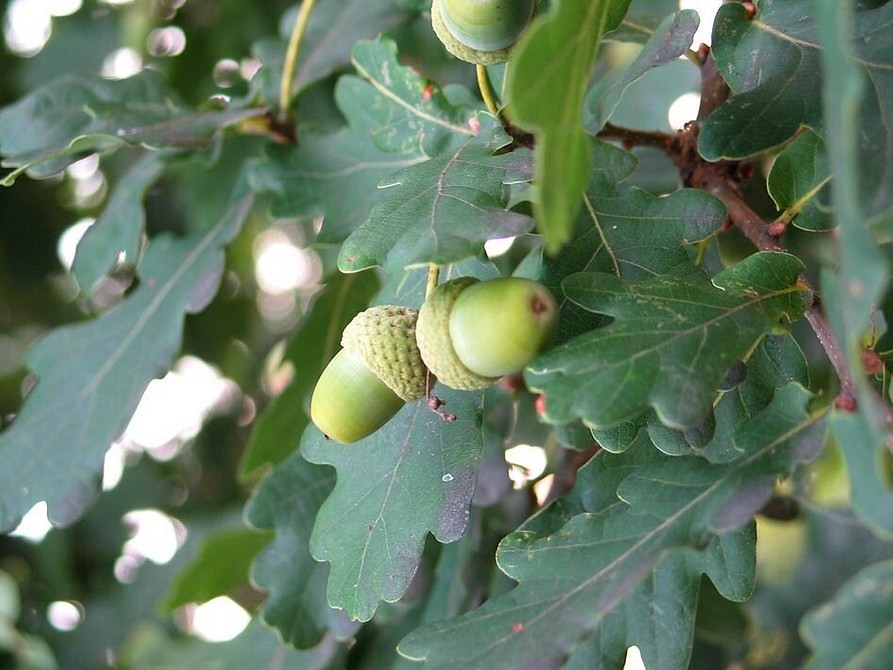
[
  {"x": 721, "y": 179},
  {"x": 714, "y": 90},
  {"x": 636, "y": 138}
]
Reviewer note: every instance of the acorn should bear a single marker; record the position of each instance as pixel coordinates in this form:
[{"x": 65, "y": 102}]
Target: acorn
[
  {"x": 470, "y": 333},
  {"x": 376, "y": 372},
  {"x": 480, "y": 31}
]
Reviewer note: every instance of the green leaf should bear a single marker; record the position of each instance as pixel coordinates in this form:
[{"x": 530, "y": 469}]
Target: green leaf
[
  {"x": 287, "y": 502},
  {"x": 620, "y": 437},
  {"x": 553, "y": 62},
  {"x": 855, "y": 629},
  {"x": 441, "y": 591},
  {"x": 776, "y": 362},
  {"x": 798, "y": 183},
  {"x": 571, "y": 579},
  {"x": 669, "y": 41},
  {"x": 616, "y": 218},
  {"x": 851, "y": 295},
  {"x": 278, "y": 430},
  {"x": 645, "y": 105},
  {"x": 334, "y": 175},
  {"x": 672, "y": 341},
  {"x": 642, "y": 20},
  {"x": 409, "y": 288},
  {"x": 334, "y": 27},
  {"x": 858, "y": 92},
  {"x": 337, "y": 174},
  {"x": 92, "y": 375},
  {"x": 119, "y": 229},
  {"x": 257, "y": 647},
  {"x": 773, "y": 64},
  {"x": 414, "y": 476},
  {"x": 837, "y": 548},
  {"x": 221, "y": 566},
  {"x": 860, "y": 438},
  {"x": 443, "y": 210},
  {"x": 658, "y": 616},
  {"x": 64, "y": 120},
  {"x": 448, "y": 595},
  {"x": 402, "y": 110}
]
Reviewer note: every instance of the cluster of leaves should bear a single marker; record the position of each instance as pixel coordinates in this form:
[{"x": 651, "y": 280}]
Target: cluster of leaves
[{"x": 677, "y": 358}]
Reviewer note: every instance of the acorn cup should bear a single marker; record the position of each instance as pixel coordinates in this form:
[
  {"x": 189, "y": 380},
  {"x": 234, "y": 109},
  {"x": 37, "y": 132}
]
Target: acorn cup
[
  {"x": 471, "y": 333},
  {"x": 480, "y": 31},
  {"x": 378, "y": 370}
]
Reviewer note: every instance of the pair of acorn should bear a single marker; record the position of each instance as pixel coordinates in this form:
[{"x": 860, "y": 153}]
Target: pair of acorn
[{"x": 468, "y": 334}]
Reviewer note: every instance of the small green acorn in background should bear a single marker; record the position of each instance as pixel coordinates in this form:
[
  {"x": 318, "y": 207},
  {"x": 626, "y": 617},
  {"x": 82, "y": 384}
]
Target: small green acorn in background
[
  {"x": 378, "y": 370},
  {"x": 471, "y": 333},
  {"x": 480, "y": 31}
]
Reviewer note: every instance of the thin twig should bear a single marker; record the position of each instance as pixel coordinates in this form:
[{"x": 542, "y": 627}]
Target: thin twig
[
  {"x": 636, "y": 138},
  {"x": 291, "y": 57}
]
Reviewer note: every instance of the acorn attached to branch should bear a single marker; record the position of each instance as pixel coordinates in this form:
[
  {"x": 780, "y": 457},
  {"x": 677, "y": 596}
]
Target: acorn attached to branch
[
  {"x": 471, "y": 333},
  {"x": 480, "y": 31},
  {"x": 378, "y": 370}
]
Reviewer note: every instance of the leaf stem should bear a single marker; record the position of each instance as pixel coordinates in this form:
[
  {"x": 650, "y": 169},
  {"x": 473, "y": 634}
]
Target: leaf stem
[
  {"x": 486, "y": 89},
  {"x": 291, "y": 57}
]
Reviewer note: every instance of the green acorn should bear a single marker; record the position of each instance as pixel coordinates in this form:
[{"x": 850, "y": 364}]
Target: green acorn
[
  {"x": 480, "y": 31},
  {"x": 378, "y": 370},
  {"x": 471, "y": 333}
]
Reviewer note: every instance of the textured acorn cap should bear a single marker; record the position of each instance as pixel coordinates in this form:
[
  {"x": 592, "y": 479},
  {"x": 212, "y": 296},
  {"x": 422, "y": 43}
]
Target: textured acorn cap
[
  {"x": 459, "y": 50},
  {"x": 433, "y": 336},
  {"x": 385, "y": 338}
]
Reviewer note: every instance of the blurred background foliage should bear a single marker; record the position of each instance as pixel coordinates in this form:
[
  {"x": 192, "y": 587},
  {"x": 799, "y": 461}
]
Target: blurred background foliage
[
  {"x": 78, "y": 595},
  {"x": 92, "y": 595},
  {"x": 105, "y": 591}
]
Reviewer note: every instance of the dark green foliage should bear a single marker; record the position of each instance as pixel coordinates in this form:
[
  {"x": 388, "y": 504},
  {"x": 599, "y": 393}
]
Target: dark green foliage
[{"x": 707, "y": 439}]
